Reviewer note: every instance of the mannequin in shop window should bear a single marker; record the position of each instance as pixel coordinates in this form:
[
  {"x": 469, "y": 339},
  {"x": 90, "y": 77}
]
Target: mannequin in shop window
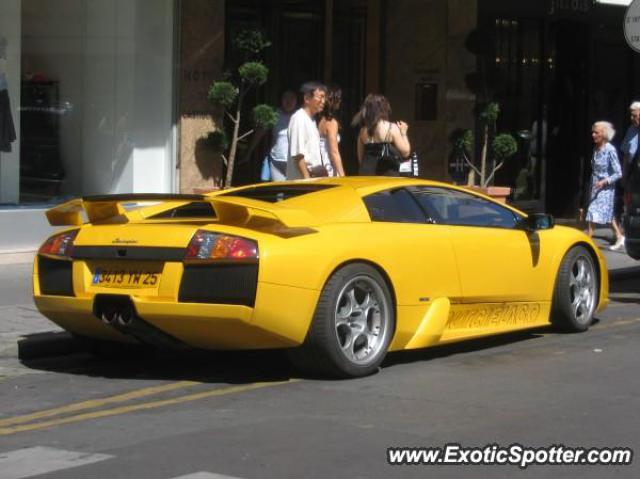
[{"x": 7, "y": 129}]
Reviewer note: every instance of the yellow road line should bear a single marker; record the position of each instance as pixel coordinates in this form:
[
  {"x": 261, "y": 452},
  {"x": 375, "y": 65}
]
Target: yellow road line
[
  {"x": 5, "y": 431},
  {"x": 94, "y": 403}
]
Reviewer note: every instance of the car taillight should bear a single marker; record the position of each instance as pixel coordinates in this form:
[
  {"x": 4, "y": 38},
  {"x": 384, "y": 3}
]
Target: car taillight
[
  {"x": 60, "y": 245},
  {"x": 206, "y": 245}
]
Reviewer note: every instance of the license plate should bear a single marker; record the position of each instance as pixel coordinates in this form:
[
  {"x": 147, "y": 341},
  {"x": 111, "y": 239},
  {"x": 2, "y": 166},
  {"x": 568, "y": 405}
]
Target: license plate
[{"x": 125, "y": 278}]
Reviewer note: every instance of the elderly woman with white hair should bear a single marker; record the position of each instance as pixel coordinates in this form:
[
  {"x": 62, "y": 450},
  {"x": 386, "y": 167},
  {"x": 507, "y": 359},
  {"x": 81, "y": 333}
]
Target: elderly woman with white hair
[{"x": 605, "y": 171}]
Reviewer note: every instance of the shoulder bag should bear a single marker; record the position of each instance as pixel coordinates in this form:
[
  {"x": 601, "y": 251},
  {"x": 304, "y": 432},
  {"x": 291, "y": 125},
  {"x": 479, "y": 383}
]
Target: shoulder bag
[
  {"x": 318, "y": 171},
  {"x": 390, "y": 157}
]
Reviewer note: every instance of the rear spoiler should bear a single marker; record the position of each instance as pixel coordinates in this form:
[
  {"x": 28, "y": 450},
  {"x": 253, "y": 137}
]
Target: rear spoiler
[
  {"x": 229, "y": 209},
  {"x": 236, "y": 209},
  {"x": 103, "y": 207}
]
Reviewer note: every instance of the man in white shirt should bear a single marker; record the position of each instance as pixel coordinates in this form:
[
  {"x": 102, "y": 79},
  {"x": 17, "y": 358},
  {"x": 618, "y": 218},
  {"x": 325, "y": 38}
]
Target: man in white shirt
[{"x": 304, "y": 138}]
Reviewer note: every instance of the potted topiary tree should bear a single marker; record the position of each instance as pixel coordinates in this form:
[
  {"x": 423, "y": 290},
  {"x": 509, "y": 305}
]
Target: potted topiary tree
[
  {"x": 230, "y": 93},
  {"x": 502, "y": 147}
]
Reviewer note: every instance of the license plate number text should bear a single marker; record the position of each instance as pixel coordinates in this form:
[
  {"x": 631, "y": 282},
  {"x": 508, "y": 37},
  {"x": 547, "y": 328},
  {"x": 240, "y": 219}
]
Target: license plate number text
[{"x": 125, "y": 278}]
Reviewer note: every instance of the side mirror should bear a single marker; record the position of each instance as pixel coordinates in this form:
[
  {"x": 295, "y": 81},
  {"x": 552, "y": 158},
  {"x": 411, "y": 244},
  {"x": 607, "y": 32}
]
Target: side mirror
[{"x": 538, "y": 221}]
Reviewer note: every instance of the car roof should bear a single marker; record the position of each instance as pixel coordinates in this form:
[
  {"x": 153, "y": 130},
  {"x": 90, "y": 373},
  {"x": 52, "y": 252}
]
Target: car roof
[
  {"x": 363, "y": 184},
  {"x": 339, "y": 199}
]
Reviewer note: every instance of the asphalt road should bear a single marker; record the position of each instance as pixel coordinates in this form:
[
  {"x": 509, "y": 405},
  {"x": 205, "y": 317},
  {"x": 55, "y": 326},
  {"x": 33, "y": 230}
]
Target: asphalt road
[{"x": 248, "y": 415}]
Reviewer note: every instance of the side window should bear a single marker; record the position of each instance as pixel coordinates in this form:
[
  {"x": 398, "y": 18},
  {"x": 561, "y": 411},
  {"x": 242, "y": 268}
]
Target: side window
[
  {"x": 396, "y": 206},
  {"x": 454, "y": 207}
]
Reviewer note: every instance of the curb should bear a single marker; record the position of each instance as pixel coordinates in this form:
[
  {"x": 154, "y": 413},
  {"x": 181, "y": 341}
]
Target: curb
[{"x": 17, "y": 257}]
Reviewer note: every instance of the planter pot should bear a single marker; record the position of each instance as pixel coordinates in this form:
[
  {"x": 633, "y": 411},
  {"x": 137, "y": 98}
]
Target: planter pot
[{"x": 498, "y": 193}]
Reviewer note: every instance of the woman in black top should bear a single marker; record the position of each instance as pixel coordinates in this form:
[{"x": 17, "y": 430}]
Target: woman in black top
[{"x": 377, "y": 133}]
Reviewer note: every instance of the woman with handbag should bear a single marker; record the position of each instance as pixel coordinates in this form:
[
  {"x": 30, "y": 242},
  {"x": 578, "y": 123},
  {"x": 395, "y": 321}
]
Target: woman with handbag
[{"x": 382, "y": 145}]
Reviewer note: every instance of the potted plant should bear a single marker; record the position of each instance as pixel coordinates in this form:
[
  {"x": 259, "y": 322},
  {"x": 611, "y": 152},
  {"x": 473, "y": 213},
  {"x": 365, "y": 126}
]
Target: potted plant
[
  {"x": 230, "y": 94},
  {"x": 501, "y": 146}
]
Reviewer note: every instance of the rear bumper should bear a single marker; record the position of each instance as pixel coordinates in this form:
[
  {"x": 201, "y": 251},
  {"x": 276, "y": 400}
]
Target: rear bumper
[
  {"x": 278, "y": 316},
  {"x": 273, "y": 323}
]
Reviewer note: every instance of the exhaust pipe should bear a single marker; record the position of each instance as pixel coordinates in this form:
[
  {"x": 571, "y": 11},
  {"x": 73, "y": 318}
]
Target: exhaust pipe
[
  {"x": 118, "y": 312},
  {"x": 108, "y": 317},
  {"x": 113, "y": 310},
  {"x": 124, "y": 317}
]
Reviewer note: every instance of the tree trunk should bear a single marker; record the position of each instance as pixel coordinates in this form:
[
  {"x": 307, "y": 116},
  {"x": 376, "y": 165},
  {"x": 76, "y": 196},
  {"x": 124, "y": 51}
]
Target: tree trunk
[
  {"x": 483, "y": 157},
  {"x": 471, "y": 177},
  {"x": 234, "y": 147}
]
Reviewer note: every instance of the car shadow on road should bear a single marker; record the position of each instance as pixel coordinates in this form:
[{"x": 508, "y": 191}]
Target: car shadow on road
[
  {"x": 228, "y": 367},
  {"x": 468, "y": 346},
  {"x": 139, "y": 362}
]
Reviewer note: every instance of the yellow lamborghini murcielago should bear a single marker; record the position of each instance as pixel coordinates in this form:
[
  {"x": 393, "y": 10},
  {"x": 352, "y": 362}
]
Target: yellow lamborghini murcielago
[{"x": 337, "y": 270}]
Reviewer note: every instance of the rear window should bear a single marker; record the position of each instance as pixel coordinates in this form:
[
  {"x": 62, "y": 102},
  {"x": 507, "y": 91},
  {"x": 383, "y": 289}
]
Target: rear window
[
  {"x": 394, "y": 206},
  {"x": 197, "y": 209},
  {"x": 274, "y": 194}
]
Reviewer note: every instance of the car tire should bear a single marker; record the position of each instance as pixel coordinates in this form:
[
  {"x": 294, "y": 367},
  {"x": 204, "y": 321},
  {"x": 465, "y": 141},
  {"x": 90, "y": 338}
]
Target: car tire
[
  {"x": 576, "y": 291},
  {"x": 352, "y": 325}
]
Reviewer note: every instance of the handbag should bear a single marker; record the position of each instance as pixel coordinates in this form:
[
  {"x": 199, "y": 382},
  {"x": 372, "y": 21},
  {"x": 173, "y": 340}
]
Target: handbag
[
  {"x": 390, "y": 154},
  {"x": 390, "y": 158},
  {"x": 389, "y": 162},
  {"x": 317, "y": 171}
]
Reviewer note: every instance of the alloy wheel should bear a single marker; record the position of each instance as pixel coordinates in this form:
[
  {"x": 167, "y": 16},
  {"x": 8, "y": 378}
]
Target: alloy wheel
[
  {"x": 361, "y": 320},
  {"x": 582, "y": 289}
]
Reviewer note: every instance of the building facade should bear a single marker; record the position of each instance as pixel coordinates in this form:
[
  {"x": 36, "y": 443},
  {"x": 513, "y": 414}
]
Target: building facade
[{"x": 110, "y": 96}]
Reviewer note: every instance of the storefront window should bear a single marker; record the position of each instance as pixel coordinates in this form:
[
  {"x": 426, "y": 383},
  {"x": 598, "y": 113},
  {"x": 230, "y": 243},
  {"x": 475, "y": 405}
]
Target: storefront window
[
  {"x": 518, "y": 70},
  {"x": 91, "y": 89}
]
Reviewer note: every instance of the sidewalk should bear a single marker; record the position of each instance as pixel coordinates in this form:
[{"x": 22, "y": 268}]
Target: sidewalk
[
  {"x": 619, "y": 263},
  {"x": 16, "y": 257},
  {"x": 26, "y": 334}
]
